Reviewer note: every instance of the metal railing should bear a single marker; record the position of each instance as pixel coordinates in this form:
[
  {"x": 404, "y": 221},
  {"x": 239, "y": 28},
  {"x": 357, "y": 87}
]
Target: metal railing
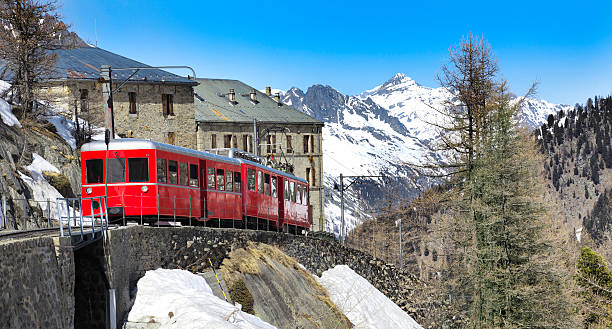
[
  {"x": 35, "y": 214},
  {"x": 78, "y": 224}
]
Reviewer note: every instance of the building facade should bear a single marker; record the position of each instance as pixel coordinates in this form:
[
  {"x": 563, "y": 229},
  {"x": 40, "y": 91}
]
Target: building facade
[
  {"x": 231, "y": 114},
  {"x": 152, "y": 104}
]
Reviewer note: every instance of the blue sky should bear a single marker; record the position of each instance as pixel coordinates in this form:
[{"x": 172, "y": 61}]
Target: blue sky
[{"x": 354, "y": 46}]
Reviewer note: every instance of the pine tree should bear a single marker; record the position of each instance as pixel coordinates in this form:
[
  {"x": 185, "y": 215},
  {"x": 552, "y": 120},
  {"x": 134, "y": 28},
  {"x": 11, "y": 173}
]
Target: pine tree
[
  {"x": 520, "y": 283},
  {"x": 595, "y": 279}
]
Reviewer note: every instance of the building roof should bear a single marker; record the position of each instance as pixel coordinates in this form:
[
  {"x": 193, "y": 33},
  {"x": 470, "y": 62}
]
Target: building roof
[
  {"x": 84, "y": 64},
  {"x": 212, "y": 105}
]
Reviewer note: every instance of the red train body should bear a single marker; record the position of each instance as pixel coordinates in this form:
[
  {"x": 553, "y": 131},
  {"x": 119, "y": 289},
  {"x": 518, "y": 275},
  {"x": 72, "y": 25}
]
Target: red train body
[{"x": 146, "y": 179}]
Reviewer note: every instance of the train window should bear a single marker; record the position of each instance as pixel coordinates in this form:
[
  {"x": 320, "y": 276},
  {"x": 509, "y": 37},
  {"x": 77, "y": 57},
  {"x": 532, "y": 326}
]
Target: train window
[
  {"x": 298, "y": 194},
  {"x": 193, "y": 175},
  {"x": 211, "y": 178},
  {"x": 138, "y": 169},
  {"x": 286, "y": 190},
  {"x": 292, "y": 191},
  {"x": 115, "y": 170},
  {"x": 172, "y": 172},
  {"x": 162, "y": 175},
  {"x": 251, "y": 179},
  {"x": 229, "y": 185},
  {"x": 274, "y": 194},
  {"x": 267, "y": 184},
  {"x": 220, "y": 178},
  {"x": 305, "y": 196},
  {"x": 260, "y": 182},
  {"x": 93, "y": 170},
  {"x": 184, "y": 174},
  {"x": 237, "y": 181}
]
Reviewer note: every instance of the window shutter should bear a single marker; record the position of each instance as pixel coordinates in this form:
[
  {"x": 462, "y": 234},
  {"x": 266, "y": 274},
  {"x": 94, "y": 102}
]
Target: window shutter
[
  {"x": 171, "y": 104},
  {"x": 164, "y": 104}
]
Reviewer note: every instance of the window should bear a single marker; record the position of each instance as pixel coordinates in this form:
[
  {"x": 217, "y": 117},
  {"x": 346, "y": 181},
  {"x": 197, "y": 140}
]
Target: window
[
  {"x": 306, "y": 144},
  {"x": 115, "y": 170},
  {"x": 274, "y": 194},
  {"x": 298, "y": 194},
  {"x": 273, "y": 143},
  {"x": 251, "y": 179},
  {"x": 171, "y": 138},
  {"x": 184, "y": 174},
  {"x": 132, "y": 99},
  {"x": 250, "y": 144},
  {"x": 269, "y": 144},
  {"x": 237, "y": 181},
  {"x": 311, "y": 148},
  {"x": 235, "y": 142},
  {"x": 84, "y": 100},
  {"x": 193, "y": 175},
  {"x": 167, "y": 104},
  {"x": 312, "y": 180},
  {"x": 292, "y": 191},
  {"x": 172, "y": 172},
  {"x": 93, "y": 171},
  {"x": 305, "y": 195},
  {"x": 161, "y": 171},
  {"x": 227, "y": 141},
  {"x": 213, "y": 141},
  {"x": 138, "y": 169},
  {"x": 245, "y": 143},
  {"x": 229, "y": 185},
  {"x": 211, "y": 178},
  {"x": 286, "y": 190},
  {"x": 220, "y": 178},
  {"x": 267, "y": 184},
  {"x": 289, "y": 147},
  {"x": 308, "y": 175},
  {"x": 260, "y": 182}
]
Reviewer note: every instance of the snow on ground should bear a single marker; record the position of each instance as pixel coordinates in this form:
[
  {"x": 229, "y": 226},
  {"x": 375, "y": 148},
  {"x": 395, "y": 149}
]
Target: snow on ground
[
  {"x": 6, "y": 113},
  {"x": 42, "y": 191},
  {"x": 180, "y": 299},
  {"x": 363, "y": 304},
  {"x": 64, "y": 127}
]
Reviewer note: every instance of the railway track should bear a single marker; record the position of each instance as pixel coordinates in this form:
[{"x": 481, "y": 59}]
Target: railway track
[{"x": 6, "y": 235}]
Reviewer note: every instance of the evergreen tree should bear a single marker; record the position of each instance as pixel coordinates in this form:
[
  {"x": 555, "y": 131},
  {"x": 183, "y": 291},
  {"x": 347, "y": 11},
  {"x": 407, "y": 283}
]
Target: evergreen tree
[{"x": 593, "y": 275}]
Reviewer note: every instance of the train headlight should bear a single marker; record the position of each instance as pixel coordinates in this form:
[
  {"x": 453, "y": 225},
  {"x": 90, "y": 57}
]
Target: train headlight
[
  {"x": 88, "y": 190},
  {"x": 144, "y": 188}
]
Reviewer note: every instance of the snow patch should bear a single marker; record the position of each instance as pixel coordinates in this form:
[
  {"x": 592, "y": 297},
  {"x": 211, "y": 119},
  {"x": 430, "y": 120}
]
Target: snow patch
[
  {"x": 180, "y": 299},
  {"x": 6, "y": 112},
  {"x": 43, "y": 193},
  {"x": 363, "y": 304}
]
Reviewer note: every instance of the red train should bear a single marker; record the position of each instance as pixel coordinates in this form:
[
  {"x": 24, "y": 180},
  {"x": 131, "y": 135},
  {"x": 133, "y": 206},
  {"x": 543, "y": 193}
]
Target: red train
[{"x": 156, "y": 181}]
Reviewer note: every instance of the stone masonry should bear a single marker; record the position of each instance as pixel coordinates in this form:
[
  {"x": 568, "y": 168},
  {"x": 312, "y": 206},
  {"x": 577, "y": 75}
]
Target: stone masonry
[{"x": 148, "y": 122}]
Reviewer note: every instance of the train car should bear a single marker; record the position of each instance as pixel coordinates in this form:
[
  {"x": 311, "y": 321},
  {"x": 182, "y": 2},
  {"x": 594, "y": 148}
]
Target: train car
[{"x": 154, "y": 181}]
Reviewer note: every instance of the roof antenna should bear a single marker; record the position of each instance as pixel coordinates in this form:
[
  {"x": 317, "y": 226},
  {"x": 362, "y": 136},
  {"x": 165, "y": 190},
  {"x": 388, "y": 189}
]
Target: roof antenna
[{"x": 96, "y": 32}]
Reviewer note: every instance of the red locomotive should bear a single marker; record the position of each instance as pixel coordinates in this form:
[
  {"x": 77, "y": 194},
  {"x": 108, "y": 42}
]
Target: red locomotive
[{"x": 153, "y": 181}]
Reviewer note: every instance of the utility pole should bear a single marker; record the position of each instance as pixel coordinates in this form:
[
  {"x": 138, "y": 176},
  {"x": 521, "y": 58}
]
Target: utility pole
[
  {"x": 342, "y": 188},
  {"x": 399, "y": 223},
  {"x": 107, "y": 99},
  {"x": 255, "y": 141}
]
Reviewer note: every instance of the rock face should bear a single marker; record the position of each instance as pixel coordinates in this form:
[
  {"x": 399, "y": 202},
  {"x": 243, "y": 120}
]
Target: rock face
[
  {"x": 284, "y": 294},
  {"x": 16, "y": 148},
  {"x": 134, "y": 250}
]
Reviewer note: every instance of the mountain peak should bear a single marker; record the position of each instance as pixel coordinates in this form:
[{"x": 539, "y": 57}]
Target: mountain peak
[{"x": 399, "y": 78}]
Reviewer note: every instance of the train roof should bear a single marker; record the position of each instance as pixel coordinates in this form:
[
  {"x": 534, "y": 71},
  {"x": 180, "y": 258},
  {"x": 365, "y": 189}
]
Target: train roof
[{"x": 132, "y": 143}]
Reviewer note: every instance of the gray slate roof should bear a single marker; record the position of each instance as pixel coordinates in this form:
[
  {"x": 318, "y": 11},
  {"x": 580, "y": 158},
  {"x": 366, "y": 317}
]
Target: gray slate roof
[
  {"x": 210, "y": 106},
  {"x": 85, "y": 62}
]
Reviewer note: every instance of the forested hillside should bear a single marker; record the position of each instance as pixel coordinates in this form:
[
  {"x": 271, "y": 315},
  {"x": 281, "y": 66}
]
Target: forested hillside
[{"x": 579, "y": 168}]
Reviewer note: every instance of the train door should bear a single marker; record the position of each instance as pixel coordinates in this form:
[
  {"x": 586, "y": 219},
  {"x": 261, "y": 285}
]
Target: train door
[
  {"x": 203, "y": 211},
  {"x": 280, "y": 200}
]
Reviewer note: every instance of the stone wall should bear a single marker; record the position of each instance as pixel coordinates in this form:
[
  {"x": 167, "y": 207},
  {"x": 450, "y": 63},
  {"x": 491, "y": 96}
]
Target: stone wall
[
  {"x": 148, "y": 122},
  {"x": 37, "y": 283},
  {"x": 134, "y": 250},
  {"x": 300, "y": 158}
]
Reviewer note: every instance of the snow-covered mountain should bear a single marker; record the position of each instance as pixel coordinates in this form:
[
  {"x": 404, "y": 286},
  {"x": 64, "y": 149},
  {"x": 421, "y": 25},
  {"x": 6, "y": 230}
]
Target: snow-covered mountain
[{"x": 381, "y": 131}]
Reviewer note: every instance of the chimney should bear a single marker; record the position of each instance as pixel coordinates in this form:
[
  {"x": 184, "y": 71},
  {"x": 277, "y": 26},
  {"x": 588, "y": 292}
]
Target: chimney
[
  {"x": 253, "y": 95},
  {"x": 232, "y": 96},
  {"x": 268, "y": 90},
  {"x": 277, "y": 98}
]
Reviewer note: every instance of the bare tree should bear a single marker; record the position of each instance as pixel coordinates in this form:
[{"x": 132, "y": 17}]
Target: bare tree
[{"x": 30, "y": 31}]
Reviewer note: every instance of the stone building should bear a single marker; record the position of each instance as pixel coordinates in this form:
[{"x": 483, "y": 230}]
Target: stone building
[
  {"x": 231, "y": 114},
  {"x": 153, "y": 104}
]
